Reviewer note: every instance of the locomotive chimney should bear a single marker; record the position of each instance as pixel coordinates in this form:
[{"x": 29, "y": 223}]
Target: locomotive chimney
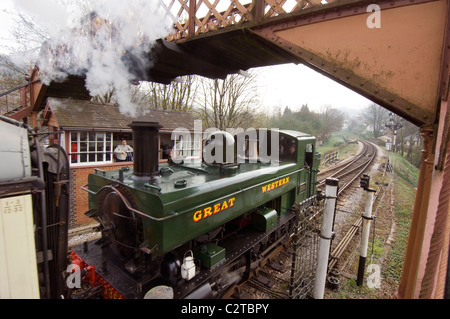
[{"x": 145, "y": 157}]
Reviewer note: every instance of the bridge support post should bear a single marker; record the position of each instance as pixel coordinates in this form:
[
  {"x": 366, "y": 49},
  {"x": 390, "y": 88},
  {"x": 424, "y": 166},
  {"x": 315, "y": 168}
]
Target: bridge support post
[
  {"x": 408, "y": 281},
  {"x": 191, "y": 21},
  {"x": 325, "y": 236}
]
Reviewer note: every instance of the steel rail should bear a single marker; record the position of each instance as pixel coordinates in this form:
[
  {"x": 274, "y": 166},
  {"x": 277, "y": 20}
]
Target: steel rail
[
  {"x": 346, "y": 165},
  {"x": 363, "y": 167},
  {"x": 340, "y": 248}
]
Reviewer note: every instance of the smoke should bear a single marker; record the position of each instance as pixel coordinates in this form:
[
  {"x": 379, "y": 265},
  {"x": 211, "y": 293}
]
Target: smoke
[{"x": 104, "y": 40}]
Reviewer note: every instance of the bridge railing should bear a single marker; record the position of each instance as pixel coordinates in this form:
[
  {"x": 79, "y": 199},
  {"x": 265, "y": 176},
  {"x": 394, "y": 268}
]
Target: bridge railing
[
  {"x": 195, "y": 17},
  {"x": 14, "y": 99},
  {"x": 18, "y": 102}
]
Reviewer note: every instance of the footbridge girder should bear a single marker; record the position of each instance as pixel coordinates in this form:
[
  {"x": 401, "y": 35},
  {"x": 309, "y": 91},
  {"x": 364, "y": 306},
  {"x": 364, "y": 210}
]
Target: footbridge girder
[{"x": 400, "y": 64}]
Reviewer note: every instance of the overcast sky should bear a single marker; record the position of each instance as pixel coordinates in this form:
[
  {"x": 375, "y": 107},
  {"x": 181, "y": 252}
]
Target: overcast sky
[
  {"x": 278, "y": 86},
  {"x": 294, "y": 85}
]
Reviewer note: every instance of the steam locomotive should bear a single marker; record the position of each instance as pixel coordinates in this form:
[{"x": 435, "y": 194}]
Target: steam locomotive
[
  {"x": 191, "y": 229},
  {"x": 34, "y": 206}
]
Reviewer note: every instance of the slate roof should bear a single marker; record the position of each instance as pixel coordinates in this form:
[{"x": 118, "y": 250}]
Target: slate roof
[{"x": 85, "y": 115}]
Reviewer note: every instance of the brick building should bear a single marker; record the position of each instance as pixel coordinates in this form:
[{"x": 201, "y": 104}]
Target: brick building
[{"x": 90, "y": 133}]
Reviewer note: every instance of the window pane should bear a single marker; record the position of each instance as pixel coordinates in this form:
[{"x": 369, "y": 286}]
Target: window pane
[
  {"x": 100, "y": 136},
  {"x": 94, "y": 146}
]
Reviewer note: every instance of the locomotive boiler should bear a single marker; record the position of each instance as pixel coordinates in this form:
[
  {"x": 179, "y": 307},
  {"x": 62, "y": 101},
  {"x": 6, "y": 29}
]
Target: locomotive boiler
[
  {"x": 34, "y": 213},
  {"x": 190, "y": 229}
]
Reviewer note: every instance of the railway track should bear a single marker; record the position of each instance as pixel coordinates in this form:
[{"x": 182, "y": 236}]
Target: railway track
[
  {"x": 348, "y": 175},
  {"x": 271, "y": 279},
  {"x": 348, "y": 172},
  {"x": 345, "y": 241}
]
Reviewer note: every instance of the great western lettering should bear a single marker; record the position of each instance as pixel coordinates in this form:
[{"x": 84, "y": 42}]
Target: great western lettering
[
  {"x": 214, "y": 209},
  {"x": 278, "y": 183}
]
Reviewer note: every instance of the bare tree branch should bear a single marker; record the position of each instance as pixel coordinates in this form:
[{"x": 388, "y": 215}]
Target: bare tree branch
[{"x": 228, "y": 103}]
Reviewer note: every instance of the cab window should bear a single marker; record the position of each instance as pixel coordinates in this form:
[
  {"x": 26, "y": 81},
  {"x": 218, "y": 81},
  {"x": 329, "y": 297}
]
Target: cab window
[
  {"x": 309, "y": 152},
  {"x": 288, "y": 148}
]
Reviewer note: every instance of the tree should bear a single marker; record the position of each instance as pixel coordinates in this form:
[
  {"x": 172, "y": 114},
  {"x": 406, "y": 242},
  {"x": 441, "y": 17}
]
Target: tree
[
  {"x": 304, "y": 109},
  {"x": 352, "y": 124},
  {"x": 88, "y": 38},
  {"x": 375, "y": 116},
  {"x": 228, "y": 103},
  {"x": 176, "y": 96},
  {"x": 333, "y": 120},
  {"x": 305, "y": 121}
]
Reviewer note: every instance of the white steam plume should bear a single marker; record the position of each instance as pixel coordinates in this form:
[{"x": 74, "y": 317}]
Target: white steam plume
[{"x": 90, "y": 37}]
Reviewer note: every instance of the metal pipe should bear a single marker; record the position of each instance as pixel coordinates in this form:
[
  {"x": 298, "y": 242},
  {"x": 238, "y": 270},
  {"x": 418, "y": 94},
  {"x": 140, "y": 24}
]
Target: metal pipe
[
  {"x": 44, "y": 237},
  {"x": 325, "y": 236}
]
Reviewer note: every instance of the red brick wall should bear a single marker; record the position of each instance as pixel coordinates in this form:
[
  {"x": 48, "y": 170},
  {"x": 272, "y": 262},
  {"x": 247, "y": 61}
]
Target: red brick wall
[{"x": 78, "y": 197}]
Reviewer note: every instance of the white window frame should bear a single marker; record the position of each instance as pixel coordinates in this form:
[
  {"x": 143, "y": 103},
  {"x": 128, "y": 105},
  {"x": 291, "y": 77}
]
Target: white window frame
[
  {"x": 189, "y": 148},
  {"x": 91, "y": 148}
]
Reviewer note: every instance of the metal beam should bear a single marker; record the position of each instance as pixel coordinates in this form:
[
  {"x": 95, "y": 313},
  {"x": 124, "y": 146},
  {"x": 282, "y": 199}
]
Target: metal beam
[
  {"x": 397, "y": 65},
  {"x": 408, "y": 281}
]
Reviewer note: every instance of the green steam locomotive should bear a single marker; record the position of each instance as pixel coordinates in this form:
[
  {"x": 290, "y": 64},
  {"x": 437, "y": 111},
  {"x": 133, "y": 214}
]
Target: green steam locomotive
[{"x": 192, "y": 228}]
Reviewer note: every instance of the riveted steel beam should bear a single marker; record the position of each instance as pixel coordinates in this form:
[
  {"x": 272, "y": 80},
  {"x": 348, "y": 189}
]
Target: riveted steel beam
[{"x": 399, "y": 65}]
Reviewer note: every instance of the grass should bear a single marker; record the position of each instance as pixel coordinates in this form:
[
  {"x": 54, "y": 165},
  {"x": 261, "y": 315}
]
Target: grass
[
  {"x": 345, "y": 149},
  {"x": 392, "y": 265},
  {"x": 404, "y": 169},
  {"x": 404, "y": 204}
]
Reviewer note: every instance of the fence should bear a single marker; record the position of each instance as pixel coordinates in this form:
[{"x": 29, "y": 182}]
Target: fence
[
  {"x": 305, "y": 248},
  {"x": 193, "y": 17},
  {"x": 329, "y": 158}
]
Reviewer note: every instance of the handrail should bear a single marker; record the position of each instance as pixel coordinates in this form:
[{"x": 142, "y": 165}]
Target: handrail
[
  {"x": 156, "y": 219},
  {"x": 14, "y": 89},
  {"x": 216, "y": 15}
]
